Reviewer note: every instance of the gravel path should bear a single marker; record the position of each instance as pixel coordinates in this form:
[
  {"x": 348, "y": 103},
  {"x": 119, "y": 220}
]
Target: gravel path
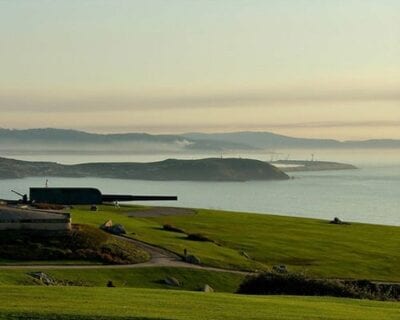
[{"x": 159, "y": 258}]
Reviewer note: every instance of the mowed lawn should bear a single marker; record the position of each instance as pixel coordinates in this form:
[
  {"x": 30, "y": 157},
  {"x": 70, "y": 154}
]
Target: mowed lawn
[
  {"x": 310, "y": 245},
  {"x": 128, "y": 303},
  {"x": 190, "y": 279}
]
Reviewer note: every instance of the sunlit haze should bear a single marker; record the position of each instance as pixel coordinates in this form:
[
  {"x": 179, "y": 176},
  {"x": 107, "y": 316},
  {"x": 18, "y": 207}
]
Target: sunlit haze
[{"x": 326, "y": 69}]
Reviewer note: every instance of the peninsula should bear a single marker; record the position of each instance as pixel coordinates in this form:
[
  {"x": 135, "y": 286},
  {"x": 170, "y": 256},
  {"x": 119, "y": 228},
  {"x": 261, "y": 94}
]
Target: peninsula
[
  {"x": 306, "y": 165},
  {"x": 210, "y": 169}
]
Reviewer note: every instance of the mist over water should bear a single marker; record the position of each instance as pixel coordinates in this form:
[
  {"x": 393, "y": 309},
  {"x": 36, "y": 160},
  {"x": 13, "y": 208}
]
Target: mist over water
[{"x": 369, "y": 194}]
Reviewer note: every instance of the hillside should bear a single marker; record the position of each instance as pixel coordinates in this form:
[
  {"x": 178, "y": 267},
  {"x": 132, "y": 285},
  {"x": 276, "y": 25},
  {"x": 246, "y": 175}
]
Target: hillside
[
  {"x": 80, "y": 303},
  {"x": 211, "y": 169},
  {"x": 60, "y": 140},
  {"x": 236, "y": 240},
  {"x": 348, "y": 250},
  {"x": 84, "y": 244},
  {"x": 268, "y": 140}
]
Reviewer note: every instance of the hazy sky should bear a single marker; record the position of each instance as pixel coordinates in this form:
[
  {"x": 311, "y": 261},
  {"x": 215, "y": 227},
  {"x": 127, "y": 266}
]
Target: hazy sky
[{"x": 327, "y": 68}]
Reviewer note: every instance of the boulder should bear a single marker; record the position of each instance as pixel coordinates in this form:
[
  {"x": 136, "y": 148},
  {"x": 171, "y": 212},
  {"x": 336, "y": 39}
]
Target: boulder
[
  {"x": 336, "y": 220},
  {"x": 281, "y": 268},
  {"x": 207, "y": 288},
  {"x": 244, "y": 254},
  {"x": 192, "y": 259},
  {"x": 110, "y": 284},
  {"x": 106, "y": 225},
  {"x": 117, "y": 229},
  {"x": 171, "y": 281},
  {"x": 43, "y": 277}
]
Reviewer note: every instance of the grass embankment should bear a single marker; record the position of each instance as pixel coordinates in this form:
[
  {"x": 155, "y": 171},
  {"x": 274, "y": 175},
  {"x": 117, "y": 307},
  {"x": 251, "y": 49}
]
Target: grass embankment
[
  {"x": 126, "y": 303},
  {"x": 83, "y": 244},
  {"x": 153, "y": 277},
  {"x": 315, "y": 246}
]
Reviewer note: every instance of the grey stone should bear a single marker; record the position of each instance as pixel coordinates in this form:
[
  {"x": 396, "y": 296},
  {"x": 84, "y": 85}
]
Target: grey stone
[
  {"x": 43, "y": 277},
  {"x": 192, "y": 259},
  {"x": 281, "y": 268},
  {"x": 117, "y": 229},
  {"x": 106, "y": 225},
  {"x": 171, "y": 281},
  {"x": 113, "y": 228},
  {"x": 207, "y": 288}
]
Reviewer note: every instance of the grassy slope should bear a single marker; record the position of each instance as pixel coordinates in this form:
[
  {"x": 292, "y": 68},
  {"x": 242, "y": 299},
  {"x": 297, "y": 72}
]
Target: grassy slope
[
  {"x": 138, "y": 278},
  {"x": 322, "y": 249},
  {"x": 124, "y": 303},
  {"x": 84, "y": 244}
]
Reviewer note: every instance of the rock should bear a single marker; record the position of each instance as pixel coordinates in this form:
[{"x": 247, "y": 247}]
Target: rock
[
  {"x": 171, "y": 281},
  {"x": 113, "y": 228},
  {"x": 280, "y": 268},
  {"x": 110, "y": 284},
  {"x": 336, "y": 220},
  {"x": 207, "y": 288},
  {"x": 43, "y": 277},
  {"x": 244, "y": 254},
  {"x": 117, "y": 229},
  {"x": 192, "y": 259},
  {"x": 106, "y": 225}
]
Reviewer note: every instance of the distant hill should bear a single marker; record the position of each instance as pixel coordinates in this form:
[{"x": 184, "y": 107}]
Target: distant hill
[
  {"x": 63, "y": 140},
  {"x": 211, "y": 169},
  {"x": 304, "y": 165},
  {"x": 72, "y": 140},
  {"x": 268, "y": 140}
]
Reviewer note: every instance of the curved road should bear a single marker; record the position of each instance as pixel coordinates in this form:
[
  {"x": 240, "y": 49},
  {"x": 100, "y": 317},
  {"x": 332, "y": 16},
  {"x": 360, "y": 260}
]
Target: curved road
[{"x": 159, "y": 258}]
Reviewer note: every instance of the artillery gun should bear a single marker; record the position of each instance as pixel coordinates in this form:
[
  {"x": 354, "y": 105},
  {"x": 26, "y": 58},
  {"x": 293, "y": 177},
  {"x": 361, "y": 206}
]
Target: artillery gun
[{"x": 81, "y": 196}]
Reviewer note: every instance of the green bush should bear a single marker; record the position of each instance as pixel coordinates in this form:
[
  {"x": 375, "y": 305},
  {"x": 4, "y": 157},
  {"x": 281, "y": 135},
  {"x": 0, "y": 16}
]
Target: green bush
[
  {"x": 198, "y": 237},
  {"x": 82, "y": 243},
  {"x": 271, "y": 283},
  {"x": 169, "y": 227}
]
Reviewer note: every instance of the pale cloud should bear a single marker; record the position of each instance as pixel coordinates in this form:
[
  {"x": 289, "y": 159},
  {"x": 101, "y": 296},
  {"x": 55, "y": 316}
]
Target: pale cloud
[
  {"x": 98, "y": 103},
  {"x": 305, "y": 68}
]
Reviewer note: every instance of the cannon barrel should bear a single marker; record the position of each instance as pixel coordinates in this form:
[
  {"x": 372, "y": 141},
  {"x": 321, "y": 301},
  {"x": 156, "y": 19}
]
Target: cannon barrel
[
  {"x": 122, "y": 197},
  {"x": 72, "y": 196}
]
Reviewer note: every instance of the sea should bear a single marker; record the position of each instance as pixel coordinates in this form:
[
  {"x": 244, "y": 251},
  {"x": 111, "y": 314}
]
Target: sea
[{"x": 369, "y": 194}]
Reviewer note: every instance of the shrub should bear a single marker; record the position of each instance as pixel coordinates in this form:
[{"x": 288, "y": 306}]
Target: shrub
[
  {"x": 82, "y": 243},
  {"x": 198, "y": 237},
  {"x": 270, "y": 283},
  {"x": 169, "y": 227}
]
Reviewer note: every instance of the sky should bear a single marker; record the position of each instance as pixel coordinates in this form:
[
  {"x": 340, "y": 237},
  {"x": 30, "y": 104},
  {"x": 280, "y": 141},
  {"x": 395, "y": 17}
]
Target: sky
[{"x": 306, "y": 68}]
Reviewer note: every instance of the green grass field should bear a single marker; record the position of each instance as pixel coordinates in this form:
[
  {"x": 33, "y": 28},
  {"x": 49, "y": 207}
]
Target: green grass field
[
  {"x": 313, "y": 246},
  {"x": 128, "y": 303},
  {"x": 139, "y": 278}
]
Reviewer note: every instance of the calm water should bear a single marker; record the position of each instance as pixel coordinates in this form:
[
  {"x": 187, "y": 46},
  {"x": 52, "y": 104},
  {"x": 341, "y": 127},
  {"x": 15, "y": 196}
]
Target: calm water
[{"x": 370, "y": 194}]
